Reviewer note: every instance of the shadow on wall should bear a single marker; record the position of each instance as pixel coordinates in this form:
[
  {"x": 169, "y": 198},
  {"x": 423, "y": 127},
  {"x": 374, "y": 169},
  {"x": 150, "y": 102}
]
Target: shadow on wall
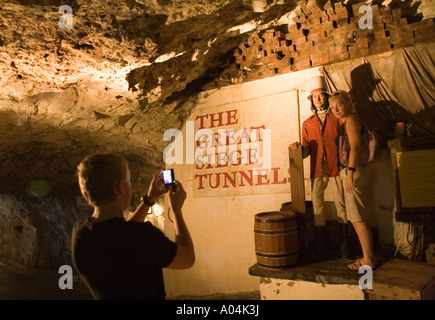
[{"x": 384, "y": 113}]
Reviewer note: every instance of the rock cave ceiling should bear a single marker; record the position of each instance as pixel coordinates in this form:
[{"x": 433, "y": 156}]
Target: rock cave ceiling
[{"x": 124, "y": 73}]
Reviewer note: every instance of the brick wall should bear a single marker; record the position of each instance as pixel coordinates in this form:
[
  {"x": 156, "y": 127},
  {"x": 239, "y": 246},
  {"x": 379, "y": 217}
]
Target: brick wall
[{"x": 321, "y": 36}]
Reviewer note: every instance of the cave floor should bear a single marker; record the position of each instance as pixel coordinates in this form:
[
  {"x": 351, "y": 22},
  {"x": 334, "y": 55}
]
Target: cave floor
[{"x": 20, "y": 286}]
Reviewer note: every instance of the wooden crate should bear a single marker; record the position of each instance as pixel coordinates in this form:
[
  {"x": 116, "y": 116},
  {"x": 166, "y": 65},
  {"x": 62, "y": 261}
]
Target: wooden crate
[{"x": 403, "y": 280}]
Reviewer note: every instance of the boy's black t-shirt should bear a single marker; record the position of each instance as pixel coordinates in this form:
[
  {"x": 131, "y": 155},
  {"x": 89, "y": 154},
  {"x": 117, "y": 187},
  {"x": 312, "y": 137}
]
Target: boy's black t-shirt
[{"x": 121, "y": 259}]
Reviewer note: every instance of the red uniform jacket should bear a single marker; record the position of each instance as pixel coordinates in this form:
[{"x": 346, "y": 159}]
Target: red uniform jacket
[{"x": 321, "y": 142}]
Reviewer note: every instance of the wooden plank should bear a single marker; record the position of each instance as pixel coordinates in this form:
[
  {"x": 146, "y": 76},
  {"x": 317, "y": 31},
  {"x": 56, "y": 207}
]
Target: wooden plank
[
  {"x": 297, "y": 185},
  {"x": 326, "y": 272},
  {"x": 403, "y": 280},
  {"x": 299, "y": 205}
]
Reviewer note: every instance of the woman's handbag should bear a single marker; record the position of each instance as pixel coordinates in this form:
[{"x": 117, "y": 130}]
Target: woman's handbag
[{"x": 370, "y": 146}]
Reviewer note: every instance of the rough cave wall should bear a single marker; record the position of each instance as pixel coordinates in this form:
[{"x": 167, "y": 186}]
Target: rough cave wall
[
  {"x": 63, "y": 95},
  {"x": 127, "y": 71}
]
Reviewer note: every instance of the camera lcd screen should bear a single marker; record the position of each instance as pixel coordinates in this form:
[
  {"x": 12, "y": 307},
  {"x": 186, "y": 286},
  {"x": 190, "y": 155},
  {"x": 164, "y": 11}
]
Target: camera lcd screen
[{"x": 167, "y": 176}]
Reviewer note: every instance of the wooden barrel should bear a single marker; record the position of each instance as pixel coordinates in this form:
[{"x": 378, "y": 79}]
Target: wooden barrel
[{"x": 276, "y": 239}]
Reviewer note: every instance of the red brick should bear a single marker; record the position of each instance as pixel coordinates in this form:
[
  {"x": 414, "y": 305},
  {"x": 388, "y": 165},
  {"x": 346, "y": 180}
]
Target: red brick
[
  {"x": 315, "y": 6},
  {"x": 361, "y": 43},
  {"x": 355, "y": 8},
  {"x": 403, "y": 22},
  {"x": 293, "y": 31},
  {"x": 284, "y": 44},
  {"x": 303, "y": 6},
  {"x": 270, "y": 58},
  {"x": 316, "y": 36},
  {"x": 301, "y": 64},
  {"x": 386, "y": 12},
  {"x": 337, "y": 55},
  {"x": 321, "y": 46},
  {"x": 328, "y": 29},
  {"x": 343, "y": 37},
  {"x": 338, "y": 5},
  {"x": 291, "y": 49},
  {"x": 401, "y": 30},
  {"x": 279, "y": 63},
  {"x": 388, "y": 21},
  {"x": 318, "y": 18},
  {"x": 319, "y": 58},
  {"x": 329, "y": 5},
  {"x": 251, "y": 50},
  {"x": 376, "y": 11},
  {"x": 397, "y": 14},
  {"x": 406, "y": 42},
  {"x": 324, "y": 56},
  {"x": 284, "y": 70},
  {"x": 324, "y": 16},
  {"x": 299, "y": 40},
  {"x": 349, "y": 27},
  {"x": 296, "y": 18},
  {"x": 379, "y": 46},
  {"x": 367, "y": 34},
  {"x": 422, "y": 36},
  {"x": 338, "y": 47},
  {"x": 313, "y": 21},
  {"x": 272, "y": 45},
  {"x": 341, "y": 12},
  {"x": 339, "y": 21},
  {"x": 279, "y": 34},
  {"x": 253, "y": 57},
  {"x": 314, "y": 59},
  {"x": 316, "y": 29},
  {"x": 422, "y": 25},
  {"x": 299, "y": 54},
  {"x": 250, "y": 41},
  {"x": 356, "y": 52},
  {"x": 300, "y": 21},
  {"x": 297, "y": 10},
  {"x": 304, "y": 47},
  {"x": 273, "y": 34}
]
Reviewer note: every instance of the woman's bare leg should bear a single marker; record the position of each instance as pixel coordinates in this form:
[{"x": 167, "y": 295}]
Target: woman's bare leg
[{"x": 365, "y": 237}]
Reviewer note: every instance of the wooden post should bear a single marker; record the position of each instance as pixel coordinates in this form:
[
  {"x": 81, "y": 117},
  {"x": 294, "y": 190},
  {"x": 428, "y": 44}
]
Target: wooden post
[
  {"x": 297, "y": 179},
  {"x": 299, "y": 207}
]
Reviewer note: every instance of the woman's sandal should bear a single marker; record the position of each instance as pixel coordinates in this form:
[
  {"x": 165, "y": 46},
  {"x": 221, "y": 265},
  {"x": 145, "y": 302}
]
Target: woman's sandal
[
  {"x": 355, "y": 265},
  {"x": 358, "y": 264}
]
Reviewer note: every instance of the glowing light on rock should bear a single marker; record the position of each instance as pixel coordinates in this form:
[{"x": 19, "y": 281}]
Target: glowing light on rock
[{"x": 167, "y": 56}]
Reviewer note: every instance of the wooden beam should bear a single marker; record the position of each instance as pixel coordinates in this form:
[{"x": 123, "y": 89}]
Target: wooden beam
[{"x": 297, "y": 185}]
